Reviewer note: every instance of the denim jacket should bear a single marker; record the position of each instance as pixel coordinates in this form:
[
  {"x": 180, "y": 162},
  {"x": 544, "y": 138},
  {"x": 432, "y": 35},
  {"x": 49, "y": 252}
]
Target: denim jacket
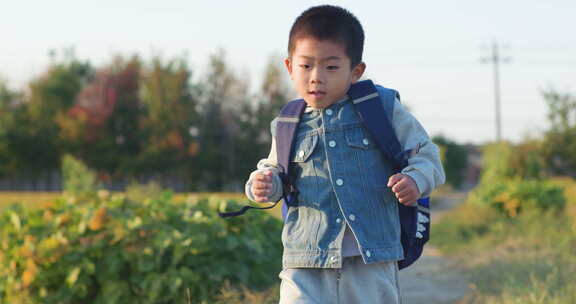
[{"x": 342, "y": 180}]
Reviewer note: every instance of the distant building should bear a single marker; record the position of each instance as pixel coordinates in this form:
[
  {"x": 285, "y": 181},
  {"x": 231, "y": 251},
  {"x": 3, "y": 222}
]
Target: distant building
[{"x": 473, "y": 167}]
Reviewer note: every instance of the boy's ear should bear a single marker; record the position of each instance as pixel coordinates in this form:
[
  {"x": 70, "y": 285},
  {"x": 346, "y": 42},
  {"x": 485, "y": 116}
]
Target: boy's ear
[
  {"x": 357, "y": 71},
  {"x": 288, "y": 64}
]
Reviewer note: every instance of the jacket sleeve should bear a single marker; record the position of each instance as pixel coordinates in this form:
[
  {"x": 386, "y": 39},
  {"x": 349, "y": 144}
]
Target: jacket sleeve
[
  {"x": 268, "y": 164},
  {"x": 424, "y": 165}
]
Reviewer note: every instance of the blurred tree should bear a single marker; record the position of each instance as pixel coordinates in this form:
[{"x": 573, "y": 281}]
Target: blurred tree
[
  {"x": 102, "y": 126},
  {"x": 275, "y": 93},
  {"x": 129, "y": 118},
  {"x": 223, "y": 97},
  {"x": 170, "y": 119},
  {"x": 559, "y": 145},
  {"x": 34, "y": 135},
  {"x": 254, "y": 141},
  {"x": 235, "y": 129},
  {"x": 8, "y": 97},
  {"x": 8, "y": 107}
]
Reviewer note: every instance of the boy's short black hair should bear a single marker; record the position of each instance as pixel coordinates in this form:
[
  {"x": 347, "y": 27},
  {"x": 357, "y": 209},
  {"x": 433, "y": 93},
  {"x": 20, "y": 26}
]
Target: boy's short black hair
[{"x": 327, "y": 22}]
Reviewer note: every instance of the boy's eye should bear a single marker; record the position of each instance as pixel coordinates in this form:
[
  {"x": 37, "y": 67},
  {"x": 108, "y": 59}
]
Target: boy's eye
[
  {"x": 305, "y": 66},
  {"x": 333, "y": 67}
]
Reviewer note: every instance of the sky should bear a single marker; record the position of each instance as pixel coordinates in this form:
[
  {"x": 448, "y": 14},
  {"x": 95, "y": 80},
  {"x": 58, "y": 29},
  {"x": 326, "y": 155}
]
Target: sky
[{"x": 430, "y": 51}]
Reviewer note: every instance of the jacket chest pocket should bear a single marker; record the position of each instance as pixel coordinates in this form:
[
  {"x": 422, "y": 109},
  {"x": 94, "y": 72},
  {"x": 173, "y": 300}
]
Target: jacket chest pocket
[
  {"x": 303, "y": 172},
  {"x": 304, "y": 148},
  {"x": 357, "y": 137},
  {"x": 368, "y": 159}
]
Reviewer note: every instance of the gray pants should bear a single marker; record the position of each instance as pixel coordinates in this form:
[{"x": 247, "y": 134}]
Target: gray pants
[{"x": 354, "y": 283}]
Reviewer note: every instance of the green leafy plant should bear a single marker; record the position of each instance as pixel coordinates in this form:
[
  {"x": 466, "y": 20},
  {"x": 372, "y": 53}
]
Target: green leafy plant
[{"x": 108, "y": 249}]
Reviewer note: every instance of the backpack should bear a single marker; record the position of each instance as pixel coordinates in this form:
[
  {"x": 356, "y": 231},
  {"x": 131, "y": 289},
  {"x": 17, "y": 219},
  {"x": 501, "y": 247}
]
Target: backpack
[{"x": 414, "y": 220}]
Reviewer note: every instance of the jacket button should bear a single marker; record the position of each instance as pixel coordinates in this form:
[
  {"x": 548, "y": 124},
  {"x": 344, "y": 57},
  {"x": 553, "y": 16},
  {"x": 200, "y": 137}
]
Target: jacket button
[
  {"x": 332, "y": 144},
  {"x": 365, "y": 141},
  {"x": 368, "y": 254},
  {"x": 301, "y": 153},
  {"x": 329, "y": 111},
  {"x": 352, "y": 217},
  {"x": 339, "y": 182},
  {"x": 338, "y": 220}
]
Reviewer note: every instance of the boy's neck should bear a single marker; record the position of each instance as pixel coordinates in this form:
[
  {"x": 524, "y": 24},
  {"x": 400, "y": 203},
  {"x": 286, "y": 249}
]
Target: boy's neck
[{"x": 342, "y": 99}]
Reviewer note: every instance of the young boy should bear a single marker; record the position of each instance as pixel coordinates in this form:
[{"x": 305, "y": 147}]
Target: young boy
[{"x": 342, "y": 238}]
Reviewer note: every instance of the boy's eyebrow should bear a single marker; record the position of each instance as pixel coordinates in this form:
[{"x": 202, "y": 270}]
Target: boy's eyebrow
[{"x": 323, "y": 59}]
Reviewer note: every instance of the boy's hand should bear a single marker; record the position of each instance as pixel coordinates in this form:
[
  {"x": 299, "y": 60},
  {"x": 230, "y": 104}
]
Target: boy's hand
[
  {"x": 262, "y": 186},
  {"x": 404, "y": 188}
]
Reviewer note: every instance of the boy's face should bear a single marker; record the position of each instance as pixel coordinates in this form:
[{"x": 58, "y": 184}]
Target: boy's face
[{"x": 320, "y": 70}]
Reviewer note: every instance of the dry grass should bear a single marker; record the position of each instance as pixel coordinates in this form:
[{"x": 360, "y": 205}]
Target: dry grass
[
  {"x": 29, "y": 199},
  {"x": 36, "y": 199}
]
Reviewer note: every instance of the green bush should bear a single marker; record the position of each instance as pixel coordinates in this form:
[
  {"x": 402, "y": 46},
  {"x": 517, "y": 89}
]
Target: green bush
[
  {"x": 505, "y": 161},
  {"x": 78, "y": 179},
  {"x": 512, "y": 181},
  {"x": 104, "y": 249},
  {"x": 512, "y": 196}
]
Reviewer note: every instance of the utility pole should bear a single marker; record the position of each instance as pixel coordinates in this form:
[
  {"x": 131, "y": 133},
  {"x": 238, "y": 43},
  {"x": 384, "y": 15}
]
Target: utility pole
[{"x": 495, "y": 59}]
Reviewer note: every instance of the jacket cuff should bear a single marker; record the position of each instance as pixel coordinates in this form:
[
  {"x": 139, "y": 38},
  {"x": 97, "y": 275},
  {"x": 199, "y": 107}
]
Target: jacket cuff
[{"x": 420, "y": 181}]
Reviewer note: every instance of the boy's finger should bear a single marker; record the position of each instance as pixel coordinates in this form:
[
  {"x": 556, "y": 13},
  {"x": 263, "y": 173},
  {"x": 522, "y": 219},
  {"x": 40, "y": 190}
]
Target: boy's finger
[
  {"x": 259, "y": 185},
  {"x": 405, "y": 193},
  {"x": 263, "y": 178},
  {"x": 261, "y": 192},
  {"x": 261, "y": 199},
  {"x": 399, "y": 187},
  {"x": 266, "y": 176},
  {"x": 394, "y": 179}
]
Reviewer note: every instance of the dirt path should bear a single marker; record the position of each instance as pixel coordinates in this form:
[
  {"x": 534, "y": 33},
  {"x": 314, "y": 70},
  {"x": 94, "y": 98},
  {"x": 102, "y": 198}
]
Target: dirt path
[{"x": 431, "y": 280}]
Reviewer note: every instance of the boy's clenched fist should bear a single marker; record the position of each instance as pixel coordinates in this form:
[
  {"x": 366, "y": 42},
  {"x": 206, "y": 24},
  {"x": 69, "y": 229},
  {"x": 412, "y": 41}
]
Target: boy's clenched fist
[
  {"x": 404, "y": 188},
  {"x": 262, "y": 186}
]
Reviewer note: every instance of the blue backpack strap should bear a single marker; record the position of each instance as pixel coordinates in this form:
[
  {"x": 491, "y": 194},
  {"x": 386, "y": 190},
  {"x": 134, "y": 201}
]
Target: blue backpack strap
[
  {"x": 366, "y": 100},
  {"x": 374, "y": 108},
  {"x": 286, "y": 125}
]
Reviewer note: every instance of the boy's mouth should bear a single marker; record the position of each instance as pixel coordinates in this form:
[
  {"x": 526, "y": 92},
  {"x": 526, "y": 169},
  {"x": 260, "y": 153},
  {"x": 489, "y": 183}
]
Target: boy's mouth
[{"x": 317, "y": 93}]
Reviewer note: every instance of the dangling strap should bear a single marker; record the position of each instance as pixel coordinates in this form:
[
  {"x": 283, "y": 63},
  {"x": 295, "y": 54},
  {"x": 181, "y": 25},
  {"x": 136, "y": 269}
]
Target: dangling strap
[{"x": 243, "y": 210}]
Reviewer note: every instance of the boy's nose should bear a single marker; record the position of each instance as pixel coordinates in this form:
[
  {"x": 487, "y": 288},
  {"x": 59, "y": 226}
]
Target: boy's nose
[{"x": 317, "y": 76}]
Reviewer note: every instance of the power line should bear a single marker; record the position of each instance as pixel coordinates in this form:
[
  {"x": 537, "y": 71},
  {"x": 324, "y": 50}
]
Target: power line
[{"x": 495, "y": 59}]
